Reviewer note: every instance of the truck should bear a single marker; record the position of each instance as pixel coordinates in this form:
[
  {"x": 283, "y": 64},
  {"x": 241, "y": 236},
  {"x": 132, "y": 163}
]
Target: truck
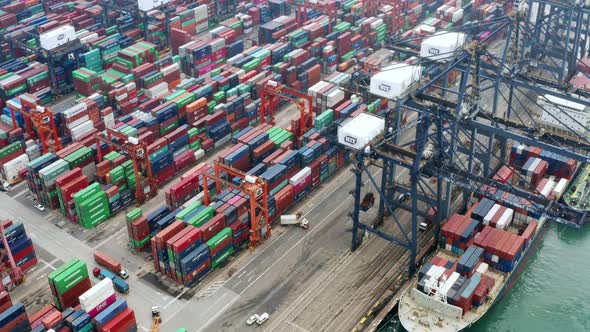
[
  {"x": 120, "y": 285},
  {"x": 110, "y": 264},
  {"x": 294, "y": 219}
]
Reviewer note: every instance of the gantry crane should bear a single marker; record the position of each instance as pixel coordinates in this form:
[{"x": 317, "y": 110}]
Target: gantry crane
[
  {"x": 257, "y": 190},
  {"x": 53, "y": 58},
  {"x": 492, "y": 106},
  {"x": 15, "y": 273},
  {"x": 137, "y": 152},
  {"x": 272, "y": 90},
  {"x": 39, "y": 122},
  {"x": 325, "y": 7}
]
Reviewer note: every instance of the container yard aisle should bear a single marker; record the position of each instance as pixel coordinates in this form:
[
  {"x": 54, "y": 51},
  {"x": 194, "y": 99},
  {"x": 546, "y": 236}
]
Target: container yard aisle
[{"x": 62, "y": 247}]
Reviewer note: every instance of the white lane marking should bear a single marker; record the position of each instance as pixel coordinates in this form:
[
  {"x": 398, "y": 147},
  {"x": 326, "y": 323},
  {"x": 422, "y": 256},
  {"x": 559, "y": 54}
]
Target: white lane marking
[
  {"x": 20, "y": 194},
  {"x": 176, "y": 298},
  {"x": 270, "y": 267}
]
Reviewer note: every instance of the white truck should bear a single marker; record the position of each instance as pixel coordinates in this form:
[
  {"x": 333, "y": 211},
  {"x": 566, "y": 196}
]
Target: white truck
[{"x": 294, "y": 219}]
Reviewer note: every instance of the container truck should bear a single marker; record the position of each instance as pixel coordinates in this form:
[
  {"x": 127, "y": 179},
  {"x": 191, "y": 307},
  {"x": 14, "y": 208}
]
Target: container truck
[
  {"x": 120, "y": 285},
  {"x": 294, "y": 219},
  {"x": 110, "y": 263}
]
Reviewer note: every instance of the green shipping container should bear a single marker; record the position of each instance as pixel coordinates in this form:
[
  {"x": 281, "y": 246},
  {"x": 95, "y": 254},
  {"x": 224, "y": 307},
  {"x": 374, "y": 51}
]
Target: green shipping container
[
  {"x": 188, "y": 210},
  {"x": 133, "y": 215},
  {"x": 218, "y": 239},
  {"x": 202, "y": 217},
  {"x": 70, "y": 277},
  {"x": 16, "y": 146},
  {"x": 222, "y": 258}
]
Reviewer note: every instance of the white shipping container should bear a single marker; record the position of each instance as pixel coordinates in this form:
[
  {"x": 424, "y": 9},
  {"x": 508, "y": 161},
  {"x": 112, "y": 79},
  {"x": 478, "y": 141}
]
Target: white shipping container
[
  {"x": 74, "y": 110},
  {"x": 376, "y": 24},
  {"x": 170, "y": 69},
  {"x": 88, "y": 38},
  {"x": 82, "y": 129},
  {"x": 102, "y": 288},
  {"x": 442, "y": 46},
  {"x": 533, "y": 166},
  {"x": 157, "y": 90},
  {"x": 395, "y": 81},
  {"x": 436, "y": 271},
  {"x": 57, "y": 37},
  {"x": 300, "y": 176},
  {"x": 559, "y": 188},
  {"x": 335, "y": 97},
  {"x": 482, "y": 268},
  {"x": 109, "y": 120},
  {"x": 457, "y": 15},
  {"x": 450, "y": 282},
  {"x": 505, "y": 220},
  {"x": 77, "y": 122},
  {"x": 357, "y": 132},
  {"x": 12, "y": 167},
  {"x": 217, "y": 44},
  {"x": 201, "y": 12},
  {"x": 548, "y": 188},
  {"x": 490, "y": 214},
  {"x": 146, "y": 5}
]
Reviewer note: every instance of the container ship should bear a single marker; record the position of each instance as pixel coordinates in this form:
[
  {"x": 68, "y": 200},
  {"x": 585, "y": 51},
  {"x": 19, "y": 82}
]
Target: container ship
[{"x": 482, "y": 252}]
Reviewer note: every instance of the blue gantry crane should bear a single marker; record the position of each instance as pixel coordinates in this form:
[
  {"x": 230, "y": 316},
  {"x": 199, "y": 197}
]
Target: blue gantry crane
[{"x": 459, "y": 133}]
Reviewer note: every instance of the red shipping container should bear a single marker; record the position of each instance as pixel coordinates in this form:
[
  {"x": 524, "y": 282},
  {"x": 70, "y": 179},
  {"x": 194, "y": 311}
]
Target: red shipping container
[
  {"x": 194, "y": 235},
  {"x": 36, "y": 318},
  {"x": 184, "y": 159},
  {"x": 141, "y": 228},
  {"x": 120, "y": 323},
  {"x": 52, "y": 319},
  {"x": 212, "y": 227},
  {"x": 515, "y": 248},
  {"x": 11, "y": 326},
  {"x": 169, "y": 232},
  {"x": 165, "y": 174},
  {"x": 153, "y": 245},
  {"x": 221, "y": 246}
]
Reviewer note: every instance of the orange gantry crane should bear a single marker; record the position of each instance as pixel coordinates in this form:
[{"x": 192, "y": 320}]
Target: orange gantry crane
[
  {"x": 137, "y": 152},
  {"x": 257, "y": 190},
  {"x": 272, "y": 90},
  {"x": 325, "y": 7},
  {"x": 14, "y": 272},
  {"x": 371, "y": 8},
  {"x": 37, "y": 119}
]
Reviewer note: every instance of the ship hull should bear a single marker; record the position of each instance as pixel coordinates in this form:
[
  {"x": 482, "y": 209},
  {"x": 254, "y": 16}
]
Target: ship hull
[{"x": 503, "y": 291}]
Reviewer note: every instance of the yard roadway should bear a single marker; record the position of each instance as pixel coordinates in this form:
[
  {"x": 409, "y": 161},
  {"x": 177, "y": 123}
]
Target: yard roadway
[{"x": 276, "y": 275}]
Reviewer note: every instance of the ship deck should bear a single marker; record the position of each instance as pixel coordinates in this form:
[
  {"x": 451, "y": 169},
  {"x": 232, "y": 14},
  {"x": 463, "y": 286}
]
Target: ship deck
[{"x": 416, "y": 309}]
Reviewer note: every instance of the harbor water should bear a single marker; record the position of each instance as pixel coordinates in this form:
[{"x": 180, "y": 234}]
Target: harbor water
[{"x": 551, "y": 294}]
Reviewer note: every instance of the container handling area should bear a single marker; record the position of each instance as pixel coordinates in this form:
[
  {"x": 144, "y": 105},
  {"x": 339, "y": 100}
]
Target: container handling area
[{"x": 284, "y": 165}]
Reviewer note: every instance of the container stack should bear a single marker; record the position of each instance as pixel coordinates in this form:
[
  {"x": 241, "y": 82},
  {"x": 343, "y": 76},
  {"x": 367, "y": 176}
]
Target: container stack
[
  {"x": 68, "y": 282},
  {"x": 138, "y": 229},
  {"x": 5, "y": 301},
  {"x": 116, "y": 317},
  {"x": 21, "y": 246},
  {"x": 15, "y": 319},
  {"x": 91, "y": 205},
  {"x": 97, "y": 298},
  {"x": 325, "y": 96}
]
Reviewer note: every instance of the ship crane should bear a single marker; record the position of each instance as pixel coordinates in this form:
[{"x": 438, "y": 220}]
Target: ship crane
[{"x": 472, "y": 124}]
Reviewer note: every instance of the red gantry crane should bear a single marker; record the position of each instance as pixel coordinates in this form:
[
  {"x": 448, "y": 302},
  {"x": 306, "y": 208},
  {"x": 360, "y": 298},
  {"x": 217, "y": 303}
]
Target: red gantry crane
[
  {"x": 272, "y": 90},
  {"x": 255, "y": 187},
  {"x": 137, "y": 152},
  {"x": 37, "y": 119},
  {"x": 328, "y": 8}
]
